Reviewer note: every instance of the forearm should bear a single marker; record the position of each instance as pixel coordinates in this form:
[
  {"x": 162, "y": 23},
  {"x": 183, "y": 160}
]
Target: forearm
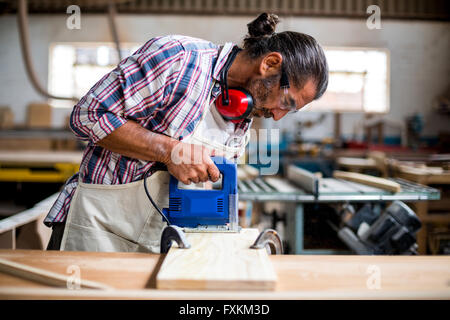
[{"x": 134, "y": 141}]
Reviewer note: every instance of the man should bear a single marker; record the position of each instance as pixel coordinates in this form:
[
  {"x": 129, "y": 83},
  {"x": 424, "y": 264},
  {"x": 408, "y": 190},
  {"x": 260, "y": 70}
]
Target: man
[{"x": 156, "y": 108}]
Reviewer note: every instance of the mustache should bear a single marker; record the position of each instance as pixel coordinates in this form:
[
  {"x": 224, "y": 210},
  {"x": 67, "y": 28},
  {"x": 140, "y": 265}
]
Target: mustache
[
  {"x": 260, "y": 90},
  {"x": 266, "y": 113}
]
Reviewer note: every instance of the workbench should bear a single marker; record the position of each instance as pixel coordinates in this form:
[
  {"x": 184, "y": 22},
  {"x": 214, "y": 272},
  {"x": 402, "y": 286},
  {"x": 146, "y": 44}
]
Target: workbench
[
  {"x": 330, "y": 190},
  {"x": 424, "y": 210},
  {"x": 132, "y": 275},
  {"x": 38, "y": 139},
  {"x": 38, "y": 166}
]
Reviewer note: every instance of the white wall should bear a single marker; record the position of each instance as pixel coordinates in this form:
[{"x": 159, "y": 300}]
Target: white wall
[{"x": 420, "y": 63}]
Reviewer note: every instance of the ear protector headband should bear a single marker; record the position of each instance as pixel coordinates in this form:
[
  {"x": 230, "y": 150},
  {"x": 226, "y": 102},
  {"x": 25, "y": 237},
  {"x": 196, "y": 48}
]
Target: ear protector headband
[{"x": 236, "y": 104}]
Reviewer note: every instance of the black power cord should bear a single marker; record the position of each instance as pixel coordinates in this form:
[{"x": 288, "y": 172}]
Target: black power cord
[
  {"x": 153, "y": 203},
  {"x": 224, "y": 74}
]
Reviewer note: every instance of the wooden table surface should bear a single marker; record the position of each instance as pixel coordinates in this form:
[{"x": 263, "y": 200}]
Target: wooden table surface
[
  {"x": 299, "y": 277},
  {"x": 39, "y": 157}
]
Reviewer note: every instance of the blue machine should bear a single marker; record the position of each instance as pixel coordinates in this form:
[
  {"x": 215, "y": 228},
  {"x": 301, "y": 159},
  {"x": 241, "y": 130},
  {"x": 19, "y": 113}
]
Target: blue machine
[{"x": 211, "y": 210}]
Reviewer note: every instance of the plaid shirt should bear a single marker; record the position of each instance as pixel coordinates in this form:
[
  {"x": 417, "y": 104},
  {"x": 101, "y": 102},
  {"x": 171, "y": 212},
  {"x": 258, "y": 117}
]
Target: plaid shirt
[{"x": 164, "y": 86}]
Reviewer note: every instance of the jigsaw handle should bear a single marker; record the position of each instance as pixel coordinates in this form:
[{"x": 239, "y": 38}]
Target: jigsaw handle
[
  {"x": 194, "y": 207},
  {"x": 228, "y": 169}
]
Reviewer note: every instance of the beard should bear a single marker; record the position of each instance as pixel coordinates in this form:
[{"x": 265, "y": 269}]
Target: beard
[{"x": 260, "y": 90}]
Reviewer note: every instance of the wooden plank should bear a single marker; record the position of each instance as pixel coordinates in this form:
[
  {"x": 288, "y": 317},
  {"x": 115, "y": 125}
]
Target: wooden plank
[
  {"x": 357, "y": 163},
  {"x": 40, "y": 157},
  {"x": 299, "y": 277},
  {"x": 43, "y": 276},
  {"x": 120, "y": 270},
  {"x": 364, "y": 188},
  {"x": 331, "y": 186},
  {"x": 27, "y": 216},
  {"x": 368, "y": 180},
  {"x": 424, "y": 175},
  {"x": 218, "y": 261}
]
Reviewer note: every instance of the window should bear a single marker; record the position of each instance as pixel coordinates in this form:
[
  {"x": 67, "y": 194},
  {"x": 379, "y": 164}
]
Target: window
[
  {"x": 76, "y": 67},
  {"x": 358, "y": 81}
]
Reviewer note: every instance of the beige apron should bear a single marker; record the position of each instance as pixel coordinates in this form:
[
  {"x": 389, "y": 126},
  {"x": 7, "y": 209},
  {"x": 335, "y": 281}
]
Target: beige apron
[{"x": 120, "y": 217}]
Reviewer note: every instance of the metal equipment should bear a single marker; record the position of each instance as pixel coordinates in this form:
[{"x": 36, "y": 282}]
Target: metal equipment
[
  {"x": 173, "y": 233},
  {"x": 206, "y": 210},
  {"x": 302, "y": 188},
  {"x": 393, "y": 232},
  {"x": 270, "y": 239}
]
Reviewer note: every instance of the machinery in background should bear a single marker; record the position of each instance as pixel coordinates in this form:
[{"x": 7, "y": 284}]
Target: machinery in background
[
  {"x": 301, "y": 190},
  {"x": 368, "y": 232}
]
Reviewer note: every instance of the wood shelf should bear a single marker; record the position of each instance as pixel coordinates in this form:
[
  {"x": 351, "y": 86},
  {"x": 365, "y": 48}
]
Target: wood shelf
[{"x": 428, "y": 211}]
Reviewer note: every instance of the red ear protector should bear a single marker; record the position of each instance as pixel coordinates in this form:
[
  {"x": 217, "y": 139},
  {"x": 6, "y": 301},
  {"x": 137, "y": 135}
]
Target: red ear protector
[
  {"x": 236, "y": 104},
  {"x": 237, "y": 107}
]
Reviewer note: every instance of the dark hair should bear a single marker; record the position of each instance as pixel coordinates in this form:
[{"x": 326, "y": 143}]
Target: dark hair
[{"x": 303, "y": 58}]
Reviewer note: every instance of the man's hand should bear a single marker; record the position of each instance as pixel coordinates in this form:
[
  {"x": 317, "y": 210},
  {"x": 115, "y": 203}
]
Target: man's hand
[{"x": 192, "y": 163}]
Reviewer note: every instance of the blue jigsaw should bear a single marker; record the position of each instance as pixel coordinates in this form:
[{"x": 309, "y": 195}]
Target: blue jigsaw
[{"x": 210, "y": 210}]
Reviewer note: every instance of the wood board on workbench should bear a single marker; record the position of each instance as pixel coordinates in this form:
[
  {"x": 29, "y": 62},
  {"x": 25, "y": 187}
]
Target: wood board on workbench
[
  {"x": 332, "y": 186},
  {"x": 218, "y": 261}
]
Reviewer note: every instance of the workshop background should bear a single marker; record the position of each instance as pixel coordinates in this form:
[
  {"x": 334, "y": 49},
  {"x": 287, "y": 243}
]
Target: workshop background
[{"x": 386, "y": 114}]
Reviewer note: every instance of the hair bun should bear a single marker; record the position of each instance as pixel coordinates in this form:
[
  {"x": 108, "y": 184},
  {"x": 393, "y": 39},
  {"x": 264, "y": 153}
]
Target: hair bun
[{"x": 264, "y": 25}]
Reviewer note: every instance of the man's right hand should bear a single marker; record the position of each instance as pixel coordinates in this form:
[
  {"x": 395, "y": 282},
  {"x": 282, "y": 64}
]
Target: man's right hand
[{"x": 192, "y": 163}]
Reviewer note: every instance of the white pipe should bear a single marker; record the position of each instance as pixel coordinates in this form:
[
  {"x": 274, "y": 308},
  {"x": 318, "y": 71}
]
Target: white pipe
[
  {"x": 22, "y": 21},
  {"x": 113, "y": 27}
]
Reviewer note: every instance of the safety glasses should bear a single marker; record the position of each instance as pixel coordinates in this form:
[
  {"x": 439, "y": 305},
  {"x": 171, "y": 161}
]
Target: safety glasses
[{"x": 287, "y": 101}]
